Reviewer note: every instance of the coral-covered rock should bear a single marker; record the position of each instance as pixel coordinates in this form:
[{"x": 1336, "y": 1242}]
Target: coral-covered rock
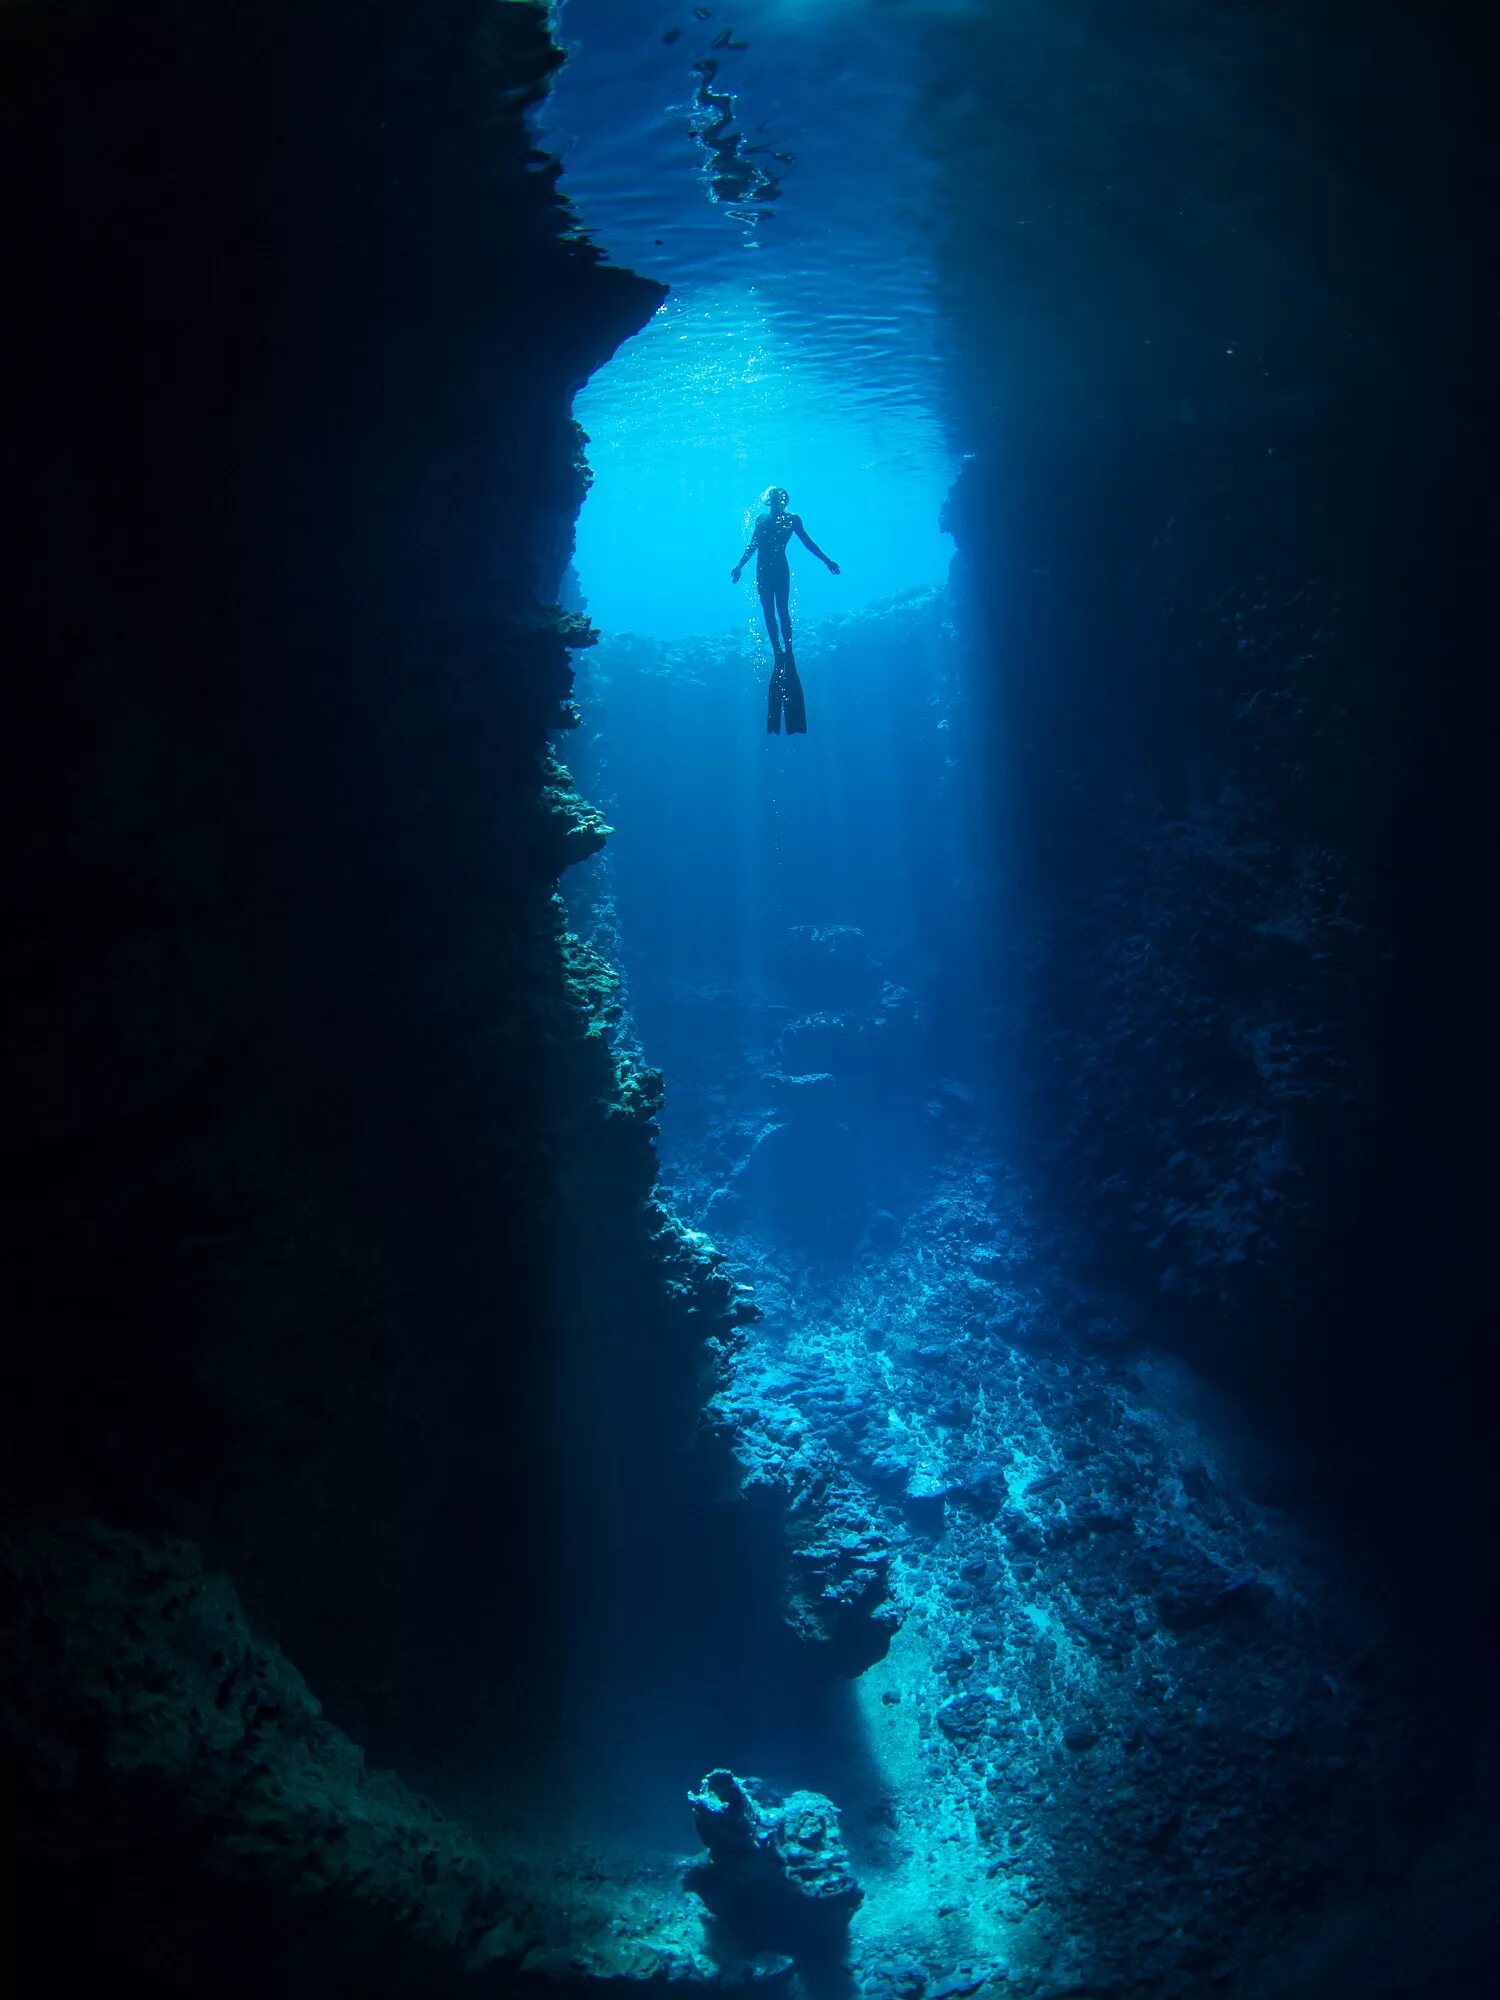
[{"x": 777, "y": 1874}]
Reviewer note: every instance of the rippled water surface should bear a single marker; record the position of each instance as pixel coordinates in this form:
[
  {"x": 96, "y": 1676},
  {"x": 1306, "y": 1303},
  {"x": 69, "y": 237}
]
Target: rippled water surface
[{"x": 758, "y": 160}]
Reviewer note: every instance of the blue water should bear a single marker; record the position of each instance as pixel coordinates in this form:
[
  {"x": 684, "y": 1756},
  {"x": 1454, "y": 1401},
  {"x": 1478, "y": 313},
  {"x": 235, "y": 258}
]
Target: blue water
[
  {"x": 851, "y": 954},
  {"x": 754, "y": 881},
  {"x": 800, "y": 345}
]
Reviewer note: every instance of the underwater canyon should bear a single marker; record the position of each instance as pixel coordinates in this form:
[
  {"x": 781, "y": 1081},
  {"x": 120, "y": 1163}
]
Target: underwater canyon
[{"x": 646, "y": 1356}]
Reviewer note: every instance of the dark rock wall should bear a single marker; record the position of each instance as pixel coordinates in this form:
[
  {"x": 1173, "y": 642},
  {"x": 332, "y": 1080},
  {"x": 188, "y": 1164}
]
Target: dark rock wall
[
  {"x": 1222, "y": 548},
  {"x": 332, "y": 1250}
]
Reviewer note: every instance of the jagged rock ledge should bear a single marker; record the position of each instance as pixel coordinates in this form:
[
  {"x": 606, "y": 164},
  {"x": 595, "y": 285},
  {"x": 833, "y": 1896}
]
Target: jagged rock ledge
[
  {"x": 144, "y": 1716},
  {"x": 333, "y": 1186}
]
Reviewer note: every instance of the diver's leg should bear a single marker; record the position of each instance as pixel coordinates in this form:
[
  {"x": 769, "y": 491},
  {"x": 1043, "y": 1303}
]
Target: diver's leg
[
  {"x": 768, "y": 612},
  {"x": 776, "y": 693},
  {"x": 791, "y": 681},
  {"x": 784, "y": 606}
]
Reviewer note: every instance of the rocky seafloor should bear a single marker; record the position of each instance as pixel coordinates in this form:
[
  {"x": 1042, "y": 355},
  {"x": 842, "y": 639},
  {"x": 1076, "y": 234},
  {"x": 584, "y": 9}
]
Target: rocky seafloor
[{"x": 1131, "y": 1713}]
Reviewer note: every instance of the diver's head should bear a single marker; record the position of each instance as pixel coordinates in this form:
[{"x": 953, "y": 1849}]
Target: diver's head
[{"x": 776, "y": 498}]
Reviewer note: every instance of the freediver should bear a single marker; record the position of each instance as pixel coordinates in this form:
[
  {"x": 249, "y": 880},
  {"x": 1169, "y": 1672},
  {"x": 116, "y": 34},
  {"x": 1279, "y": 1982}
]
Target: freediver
[{"x": 773, "y": 577}]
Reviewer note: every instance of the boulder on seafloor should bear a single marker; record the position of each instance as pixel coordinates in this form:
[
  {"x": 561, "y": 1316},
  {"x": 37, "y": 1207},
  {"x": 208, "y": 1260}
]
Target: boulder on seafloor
[{"x": 777, "y": 1875}]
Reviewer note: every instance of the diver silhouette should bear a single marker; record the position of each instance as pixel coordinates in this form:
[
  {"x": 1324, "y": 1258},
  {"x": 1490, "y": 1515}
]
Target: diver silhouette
[{"x": 773, "y": 577}]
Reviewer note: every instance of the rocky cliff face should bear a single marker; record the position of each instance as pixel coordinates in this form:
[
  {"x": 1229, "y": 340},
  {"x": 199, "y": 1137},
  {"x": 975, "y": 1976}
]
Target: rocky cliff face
[
  {"x": 1219, "y": 547},
  {"x": 333, "y": 1252}
]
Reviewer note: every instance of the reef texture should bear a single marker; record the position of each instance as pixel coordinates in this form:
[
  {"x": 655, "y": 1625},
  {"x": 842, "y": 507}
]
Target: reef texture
[
  {"x": 1203, "y": 949},
  {"x": 1222, "y": 561},
  {"x": 139, "y": 1706},
  {"x": 332, "y": 1252},
  {"x": 777, "y": 1878},
  {"x": 161, "y": 1753},
  {"x": 1126, "y": 1720}
]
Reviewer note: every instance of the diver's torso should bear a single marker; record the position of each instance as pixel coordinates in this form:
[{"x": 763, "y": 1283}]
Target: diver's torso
[{"x": 772, "y": 533}]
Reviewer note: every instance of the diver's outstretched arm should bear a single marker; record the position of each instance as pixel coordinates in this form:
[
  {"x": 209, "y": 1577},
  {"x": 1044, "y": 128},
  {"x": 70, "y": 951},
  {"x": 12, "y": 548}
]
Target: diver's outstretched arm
[
  {"x": 808, "y": 543},
  {"x": 734, "y": 574}
]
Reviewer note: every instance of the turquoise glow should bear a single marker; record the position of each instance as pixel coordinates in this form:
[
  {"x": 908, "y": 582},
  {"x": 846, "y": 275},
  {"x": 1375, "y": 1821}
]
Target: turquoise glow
[
  {"x": 689, "y": 425},
  {"x": 777, "y": 190}
]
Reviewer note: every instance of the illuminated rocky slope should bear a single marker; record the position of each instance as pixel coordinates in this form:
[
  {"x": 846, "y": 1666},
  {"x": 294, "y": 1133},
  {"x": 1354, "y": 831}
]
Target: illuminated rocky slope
[{"x": 1124, "y": 1717}]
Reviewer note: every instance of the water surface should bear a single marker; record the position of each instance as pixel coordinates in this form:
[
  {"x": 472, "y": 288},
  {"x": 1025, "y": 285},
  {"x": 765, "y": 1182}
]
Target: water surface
[{"x": 770, "y": 180}]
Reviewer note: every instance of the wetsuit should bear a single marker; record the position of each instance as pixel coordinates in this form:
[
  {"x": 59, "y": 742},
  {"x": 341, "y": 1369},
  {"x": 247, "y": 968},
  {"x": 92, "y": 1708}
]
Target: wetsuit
[{"x": 773, "y": 579}]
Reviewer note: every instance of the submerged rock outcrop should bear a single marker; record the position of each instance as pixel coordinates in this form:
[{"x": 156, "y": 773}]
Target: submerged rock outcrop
[{"x": 777, "y": 1875}]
